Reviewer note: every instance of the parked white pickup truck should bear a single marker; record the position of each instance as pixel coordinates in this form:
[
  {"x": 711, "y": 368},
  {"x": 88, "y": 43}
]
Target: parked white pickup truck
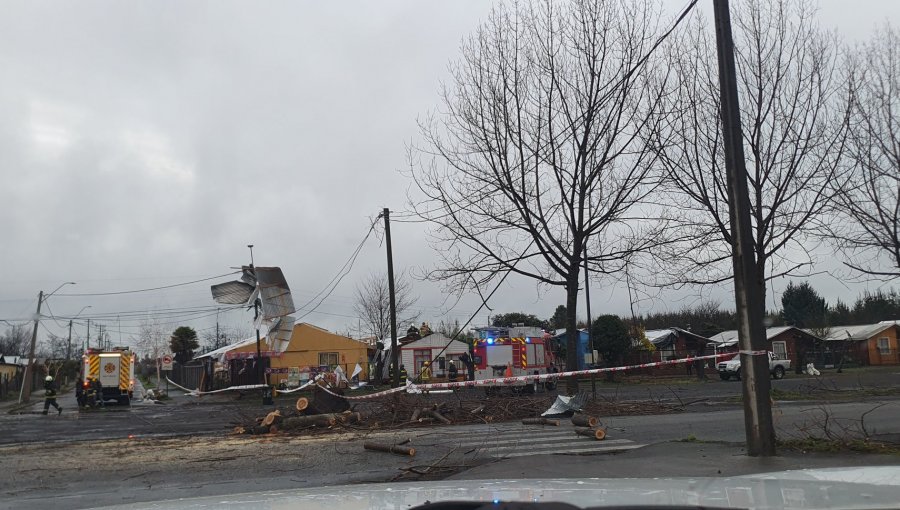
[{"x": 732, "y": 367}]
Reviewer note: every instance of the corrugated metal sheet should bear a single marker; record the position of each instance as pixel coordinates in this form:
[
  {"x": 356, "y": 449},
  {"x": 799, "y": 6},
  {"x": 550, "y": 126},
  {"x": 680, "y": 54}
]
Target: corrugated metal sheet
[
  {"x": 274, "y": 293},
  {"x": 279, "y": 336},
  {"x": 269, "y": 286},
  {"x": 232, "y": 293}
]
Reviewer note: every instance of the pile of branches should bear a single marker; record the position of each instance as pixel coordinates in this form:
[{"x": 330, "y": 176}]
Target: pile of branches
[
  {"x": 475, "y": 407},
  {"x": 402, "y": 410}
]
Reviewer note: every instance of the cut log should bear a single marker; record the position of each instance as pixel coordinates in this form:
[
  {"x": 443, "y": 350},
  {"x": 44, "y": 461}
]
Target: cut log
[
  {"x": 272, "y": 418},
  {"x": 390, "y": 448},
  {"x": 415, "y": 414},
  {"x": 477, "y": 410},
  {"x": 598, "y": 434},
  {"x": 302, "y": 403},
  {"x": 438, "y": 416},
  {"x": 540, "y": 421},
  {"x": 583, "y": 420},
  {"x": 299, "y": 422},
  {"x": 348, "y": 417}
]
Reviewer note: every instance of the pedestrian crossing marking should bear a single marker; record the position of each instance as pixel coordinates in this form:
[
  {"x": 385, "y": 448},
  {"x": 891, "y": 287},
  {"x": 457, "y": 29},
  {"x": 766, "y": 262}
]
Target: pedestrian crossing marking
[{"x": 500, "y": 443}]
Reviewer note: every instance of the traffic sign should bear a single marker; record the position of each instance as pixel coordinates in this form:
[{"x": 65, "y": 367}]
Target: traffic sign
[{"x": 167, "y": 362}]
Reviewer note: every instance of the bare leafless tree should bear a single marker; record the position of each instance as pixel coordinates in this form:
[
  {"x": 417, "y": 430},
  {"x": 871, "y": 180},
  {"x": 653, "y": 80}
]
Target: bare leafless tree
[
  {"x": 373, "y": 304},
  {"x": 14, "y": 342},
  {"x": 869, "y": 208},
  {"x": 54, "y": 347},
  {"x": 153, "y": 341},
  {"x": 794, "y": 127},
  {"x": 535, "y": 158}
]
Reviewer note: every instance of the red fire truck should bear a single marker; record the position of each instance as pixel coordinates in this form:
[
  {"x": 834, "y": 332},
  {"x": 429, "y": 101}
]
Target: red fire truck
[{"x": 494, "y": 357}]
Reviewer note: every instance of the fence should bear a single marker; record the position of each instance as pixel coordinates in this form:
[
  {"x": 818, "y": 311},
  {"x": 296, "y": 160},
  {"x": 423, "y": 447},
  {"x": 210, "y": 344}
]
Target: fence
[
  {"x": 10, "y": 384},
  {"x": 189, "y": 376}
]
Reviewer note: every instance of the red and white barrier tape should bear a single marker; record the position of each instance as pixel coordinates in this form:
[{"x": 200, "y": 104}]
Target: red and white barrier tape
[
  {"x": 503, "y": 381},
  {"x": 197, "y": 392}
]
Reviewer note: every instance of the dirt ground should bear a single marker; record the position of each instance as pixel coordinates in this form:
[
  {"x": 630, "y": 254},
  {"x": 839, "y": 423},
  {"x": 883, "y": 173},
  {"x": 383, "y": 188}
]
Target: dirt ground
[{"x": 76, "y": 472}]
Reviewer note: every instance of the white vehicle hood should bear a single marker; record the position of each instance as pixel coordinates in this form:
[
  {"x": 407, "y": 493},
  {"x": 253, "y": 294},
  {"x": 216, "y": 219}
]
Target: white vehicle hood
[{"x": 844, "y": 488}]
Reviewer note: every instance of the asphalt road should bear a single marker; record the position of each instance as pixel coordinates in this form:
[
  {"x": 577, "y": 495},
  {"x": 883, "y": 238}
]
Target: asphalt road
[
  {"x": 182, "y": 449},
  {"x": 183, "y": 415}
]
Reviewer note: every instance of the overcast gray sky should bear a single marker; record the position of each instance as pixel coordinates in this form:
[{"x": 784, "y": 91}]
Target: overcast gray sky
[{"x": 144, "y": 144}]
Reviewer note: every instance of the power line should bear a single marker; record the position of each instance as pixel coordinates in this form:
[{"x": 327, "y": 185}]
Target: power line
[
  {"x": 342, "y": 272},
  {"x": 149, "y": 289}
]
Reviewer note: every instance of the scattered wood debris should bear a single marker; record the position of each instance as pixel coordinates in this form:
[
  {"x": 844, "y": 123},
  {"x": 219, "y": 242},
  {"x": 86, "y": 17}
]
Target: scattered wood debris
[{"x": 324, "y": 412}]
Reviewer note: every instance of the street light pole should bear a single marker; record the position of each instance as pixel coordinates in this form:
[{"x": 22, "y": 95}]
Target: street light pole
[
  {"x": 25, "y": 390},
  {"x": 69, "y": 345}
]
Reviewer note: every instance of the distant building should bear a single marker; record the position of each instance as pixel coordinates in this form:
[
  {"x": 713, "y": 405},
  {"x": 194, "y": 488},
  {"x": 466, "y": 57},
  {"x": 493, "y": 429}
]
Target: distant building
[
  {"x": 311, "y": 350},
  {"x": 869, "y": 344},
  {"x": 785, "y": 342}
]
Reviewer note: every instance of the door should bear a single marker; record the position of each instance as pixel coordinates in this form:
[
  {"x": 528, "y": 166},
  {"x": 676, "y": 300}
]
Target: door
[
  {"x": 109, "y": 370},
  {"x": 420, "y": 357}
]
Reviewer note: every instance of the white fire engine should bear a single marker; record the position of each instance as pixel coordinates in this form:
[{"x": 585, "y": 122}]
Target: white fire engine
[{"x": 115, "y": 371}]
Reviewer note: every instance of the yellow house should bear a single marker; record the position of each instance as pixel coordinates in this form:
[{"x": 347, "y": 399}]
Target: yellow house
[
  {"x": 311, "y": 348},
  {"x": 9, "y": 367}
]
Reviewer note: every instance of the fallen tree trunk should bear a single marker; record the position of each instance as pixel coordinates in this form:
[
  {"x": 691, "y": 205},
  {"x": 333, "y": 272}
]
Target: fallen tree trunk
[
  {"x": 438, "y": 416},
  {"x": 540, "y": 421},
  {"x": 583, "y": 420},
  {"x": 272, "y": 418},
  {"x": 302, "y": 403},
  {"x": 298, "y": 422},
  {"x": 390, "y": 448},
  {"x": 598, "y": 434}
]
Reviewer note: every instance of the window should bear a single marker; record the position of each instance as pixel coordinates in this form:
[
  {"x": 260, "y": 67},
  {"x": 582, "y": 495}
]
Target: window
[
  {"x": 328, "y": 358},
  {"x": 667, "y": 353},
  {"x": 884, "y": 345},
  {"x": 779, "y": 349}
]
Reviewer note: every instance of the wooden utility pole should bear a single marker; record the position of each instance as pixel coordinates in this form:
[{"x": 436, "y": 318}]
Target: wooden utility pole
[
  {"x": 587, "y": 302},
  {"x": 25, "y": 391},
  {"x": 69, "y": 343},
  {"x": 748, "y": 295},
  {"x": 395, "y": 358}
]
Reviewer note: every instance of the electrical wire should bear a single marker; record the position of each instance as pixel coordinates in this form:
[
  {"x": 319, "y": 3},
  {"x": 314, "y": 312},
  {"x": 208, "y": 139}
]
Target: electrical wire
[
  {"x": 342, "y": 272},
  {"x": 149, "y": 289},
  {"x": 483, "y": 304}
]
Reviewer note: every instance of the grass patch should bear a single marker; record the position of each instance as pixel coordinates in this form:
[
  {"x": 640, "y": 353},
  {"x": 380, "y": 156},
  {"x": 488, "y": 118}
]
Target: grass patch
[
  {"x": 833, "y": 446},
  {"x": 146, "y": 382},
  {"x": 641, "y": 381},
  {"x": 691, "y": 438},
  {"x": 826, "y": 395}
]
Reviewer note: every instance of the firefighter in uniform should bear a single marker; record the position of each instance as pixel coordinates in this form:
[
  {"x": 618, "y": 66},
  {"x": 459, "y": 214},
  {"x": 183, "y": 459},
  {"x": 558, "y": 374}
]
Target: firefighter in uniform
[
  {"x": 97, "y": 388},
  {"x": 50, "y": 395},
  {"x": 403, "y": 375},
  {"x": 452, "y": 372},
  {"x": 425, "y": 376}
]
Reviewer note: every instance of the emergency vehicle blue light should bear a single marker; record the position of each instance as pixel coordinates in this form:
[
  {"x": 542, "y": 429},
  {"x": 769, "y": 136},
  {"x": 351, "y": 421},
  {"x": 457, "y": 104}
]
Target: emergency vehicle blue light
[
  {"x": 490, "y": 340},
  {"x": 527, "y": 340}
]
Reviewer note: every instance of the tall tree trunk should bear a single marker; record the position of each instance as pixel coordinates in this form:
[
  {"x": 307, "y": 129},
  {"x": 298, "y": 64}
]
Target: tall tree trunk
[{"x": 572, "y": 343}]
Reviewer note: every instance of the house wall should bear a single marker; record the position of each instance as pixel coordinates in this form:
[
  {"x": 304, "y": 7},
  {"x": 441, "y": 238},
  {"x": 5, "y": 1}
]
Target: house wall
[
  {"x": 307, "y": 342},
  {"x": 8, "y": 370},
  {"x": 875, "y": 356},
  {"x": 434, "y": 347}
]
